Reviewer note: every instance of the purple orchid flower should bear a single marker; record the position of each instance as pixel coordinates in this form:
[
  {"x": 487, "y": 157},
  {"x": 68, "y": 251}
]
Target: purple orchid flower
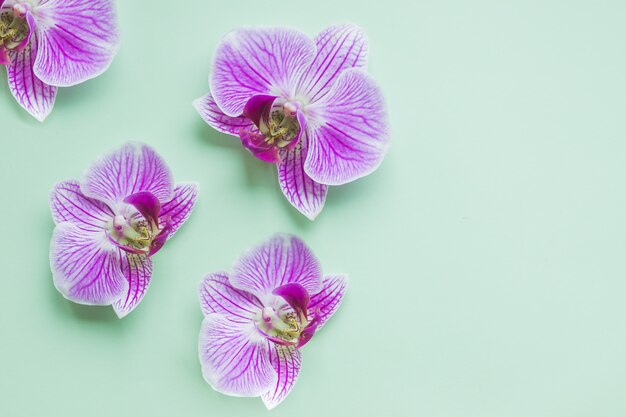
[
  {"x": 306, "y": 105},
  {"x": 47, "y": 44},
  {"x": 109, "y": 225},
  {"x": 257, "y": 318}
]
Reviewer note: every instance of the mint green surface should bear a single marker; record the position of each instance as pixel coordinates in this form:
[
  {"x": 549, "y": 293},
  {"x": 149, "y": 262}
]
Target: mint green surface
[{"x": 486, "y": 255}]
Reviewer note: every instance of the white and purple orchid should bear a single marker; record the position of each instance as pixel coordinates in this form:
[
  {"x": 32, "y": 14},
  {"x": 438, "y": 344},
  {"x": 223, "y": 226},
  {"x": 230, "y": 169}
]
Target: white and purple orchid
[
  {"x": 46, "y": 44},
  {"x": 257, "y": 318},
  {"x": 109, "y": 225},
  {"x": 306, "y": 105}
]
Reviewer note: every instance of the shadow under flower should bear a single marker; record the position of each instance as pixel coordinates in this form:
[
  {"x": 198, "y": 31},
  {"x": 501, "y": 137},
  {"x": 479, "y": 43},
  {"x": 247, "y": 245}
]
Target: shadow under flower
[
  {"x": 79, "y": 95},
  {"x": 258, "y": 173},
  {"x": 264, "y": 175},
  {"x": 93, "y": 313},
  {"x": 65, "y": 307}
]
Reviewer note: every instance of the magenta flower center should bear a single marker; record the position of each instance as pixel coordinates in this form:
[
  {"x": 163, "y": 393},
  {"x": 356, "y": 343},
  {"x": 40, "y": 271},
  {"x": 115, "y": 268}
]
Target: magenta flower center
[
  {"x": 282, "y": 326},
  {"x": 281, "y": 127},
  {"x": 14, "y": 29},
  {"x": 277, "y": 129},
  {"x": 132, "y": 233}
]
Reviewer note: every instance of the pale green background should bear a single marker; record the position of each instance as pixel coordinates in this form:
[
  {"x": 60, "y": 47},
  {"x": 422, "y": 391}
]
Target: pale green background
[{"x": 486, "y": 254}]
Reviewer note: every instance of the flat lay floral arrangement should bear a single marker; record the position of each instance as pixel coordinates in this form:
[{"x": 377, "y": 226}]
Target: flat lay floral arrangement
[{"x": 304, "y": 104}]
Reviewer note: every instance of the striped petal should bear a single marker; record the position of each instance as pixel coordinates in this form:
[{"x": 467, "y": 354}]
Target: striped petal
[
  {"x": 179, "y": 208},
  {"x": 235, "y": 358},
  {"x": 35, "y": 96},
  {"x": 306, "y": 195},
  {"x": 133, "y": 168},
  {"x": 77, "y": 40},
  {"x": 324, "y": 304},
  {"x": 138, "y": 270},
  {"x": 86, "y": 266},
  {"x": 351, "y": 137},
  {"x": 339, "y": 48},
  {"x": 215, "y": 117},
  {"x": 218, "y": 296},
  {"x": 252, "y": 61},
  {"x": 283, "y": 259},
  {"x": 287, "y": 362},
  {"x": 69, "y": 204}
]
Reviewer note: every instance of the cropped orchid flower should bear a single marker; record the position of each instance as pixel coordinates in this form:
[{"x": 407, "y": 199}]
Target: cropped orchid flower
[
  {"x": 109, "y": 225},
  {"x": 258, "y": 318},
  {"x": 46, "y": 44},
  {"x": 306, "y": 105}
]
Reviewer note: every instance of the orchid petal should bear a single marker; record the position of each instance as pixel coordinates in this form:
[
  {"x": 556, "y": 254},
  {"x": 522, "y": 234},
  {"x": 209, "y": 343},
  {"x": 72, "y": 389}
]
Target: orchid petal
[
  {"x": 138, "y": 270},
  {"x": 147, "y": 204},
  {"x": 215, "y": 117},
  {"x": 35, "y": 96},
  {"x": 324, "y": 304},
  {"x": 254, "y": 61},
  {"x": 235, "y": 357},
  {"x": 69, "y": 204},
  {"x": 218, "y": 296},
  {"x": 287, "y": 362},
  {"x": 281, "y": 260},
  {"x": 77, "y": 40},
  {"x": 86, "y": 266},
  {"x": 351, "y": 137},
  {"x": 339, "y": 48},
  {"x": 306, "y": 195},
  {"x": 131, "y": 169},
  {"x": 296, "y": 296},
  {"x": 179, "y": 208}
]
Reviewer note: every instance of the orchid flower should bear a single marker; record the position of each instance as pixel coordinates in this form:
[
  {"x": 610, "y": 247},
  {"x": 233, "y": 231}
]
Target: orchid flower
[
  {"x": 306, "y": 105},
  {"x": 46, "y": 44},
  {"x": 258, "y": 318},
  {"x": 109, "y": 225}
]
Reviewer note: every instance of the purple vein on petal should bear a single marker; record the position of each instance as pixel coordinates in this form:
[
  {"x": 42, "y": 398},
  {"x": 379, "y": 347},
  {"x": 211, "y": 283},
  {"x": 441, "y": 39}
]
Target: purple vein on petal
[{"x": 218, "y": 296}]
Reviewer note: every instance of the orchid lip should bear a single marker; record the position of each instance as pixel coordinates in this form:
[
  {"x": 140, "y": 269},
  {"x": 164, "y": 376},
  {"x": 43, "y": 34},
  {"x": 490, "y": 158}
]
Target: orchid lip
[
  {"x": 125, "y": 248},
  {"x": 279, "y": 124},
  {"x": 296, "y": 331},
  {"x": 137, "y": 231},
  {"x": 287, "y": 323}
]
